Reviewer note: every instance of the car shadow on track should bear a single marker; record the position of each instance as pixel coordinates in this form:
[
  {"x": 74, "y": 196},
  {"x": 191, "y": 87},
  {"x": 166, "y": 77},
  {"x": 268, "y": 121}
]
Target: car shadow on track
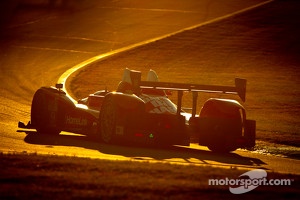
[{"x": 172, "y": 154}]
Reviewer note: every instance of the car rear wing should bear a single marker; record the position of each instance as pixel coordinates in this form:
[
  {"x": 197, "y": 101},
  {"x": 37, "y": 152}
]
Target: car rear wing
[{"x": 239, "y": 88}]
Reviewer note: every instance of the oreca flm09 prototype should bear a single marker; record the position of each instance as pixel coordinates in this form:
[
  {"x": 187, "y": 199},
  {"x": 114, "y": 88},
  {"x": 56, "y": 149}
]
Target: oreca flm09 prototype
[{"x": 141, "y": 112}]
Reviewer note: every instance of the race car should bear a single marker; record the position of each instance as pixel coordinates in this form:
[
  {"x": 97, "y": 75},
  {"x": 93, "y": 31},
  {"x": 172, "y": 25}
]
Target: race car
[{"x": 140, "y": 112}]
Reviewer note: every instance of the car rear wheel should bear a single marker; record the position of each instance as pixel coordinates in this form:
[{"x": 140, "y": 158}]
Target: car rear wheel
[
  {"x": 222, "y": 142},
  {"x": 221, "y": 148}
]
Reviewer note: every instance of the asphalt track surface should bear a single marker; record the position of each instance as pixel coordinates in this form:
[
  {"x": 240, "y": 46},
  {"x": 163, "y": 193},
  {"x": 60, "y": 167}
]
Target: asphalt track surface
[{"x": 39, "y": 44}]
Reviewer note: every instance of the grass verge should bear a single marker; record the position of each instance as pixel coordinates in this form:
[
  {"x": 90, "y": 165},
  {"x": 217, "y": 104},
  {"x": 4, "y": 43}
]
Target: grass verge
[{"x": 31, "y": 176}]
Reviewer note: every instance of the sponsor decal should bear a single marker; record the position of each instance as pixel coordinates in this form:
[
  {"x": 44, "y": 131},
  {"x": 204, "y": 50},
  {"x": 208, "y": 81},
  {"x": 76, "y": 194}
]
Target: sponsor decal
[
  {"x": 158, "y": 104},
  {"x": 249, "y": 181},
  {"x": 76, "y": 121}
]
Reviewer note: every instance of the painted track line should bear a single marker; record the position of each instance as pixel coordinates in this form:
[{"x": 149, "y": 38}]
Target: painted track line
[{"x": 63, "y": 78}]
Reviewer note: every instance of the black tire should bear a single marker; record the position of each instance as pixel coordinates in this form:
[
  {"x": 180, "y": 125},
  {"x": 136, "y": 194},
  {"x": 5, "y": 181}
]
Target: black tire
[
  {"x": 40, "y": 115},
  {"x": 250, "y": 132},
  {"x": 221, "y": 148},
  {"x": 222, "y": 141},
  {"x": 108, "y": 118}
]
